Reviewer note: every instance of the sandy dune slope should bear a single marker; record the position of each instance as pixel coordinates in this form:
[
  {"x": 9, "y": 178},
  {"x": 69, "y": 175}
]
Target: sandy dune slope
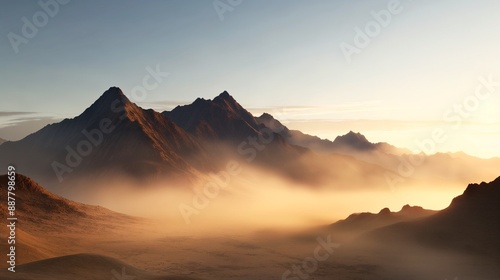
[{"x": 83, "y": 267}]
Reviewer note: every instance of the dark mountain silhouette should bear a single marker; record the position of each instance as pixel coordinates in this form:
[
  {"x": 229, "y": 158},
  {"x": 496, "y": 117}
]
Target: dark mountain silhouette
[
  {"x": 350, "y": 144},
  {"x": 220, "y": 119},
  {"x": 354, "y": 140},
  {"x": 116, "y": 136},
  {"x": 359, "y": 223},
  {"x": 445, "y": 168},
  {"x": 471, "y": 222},
  {"x": 2, "y": 141},
  {"x": 459, "y": 240},
  {"x": 470, "y": 225},
  {"x": 224, "y": 121},
  {"x": 112, "y": 134}
]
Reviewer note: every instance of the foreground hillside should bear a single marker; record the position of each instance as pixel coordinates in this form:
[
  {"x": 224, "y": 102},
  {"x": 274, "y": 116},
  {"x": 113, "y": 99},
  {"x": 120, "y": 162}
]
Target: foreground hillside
[
  {"x": 471, "y": 224},
  {"x": 83, "y": 267},
  {"x": 48, "y": 224},
  {"x": 461, "y": 239}
]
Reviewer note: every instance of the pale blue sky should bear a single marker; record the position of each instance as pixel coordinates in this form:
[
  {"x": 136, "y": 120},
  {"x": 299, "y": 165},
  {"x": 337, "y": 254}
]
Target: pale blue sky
[{"x": 268, "y": 54}]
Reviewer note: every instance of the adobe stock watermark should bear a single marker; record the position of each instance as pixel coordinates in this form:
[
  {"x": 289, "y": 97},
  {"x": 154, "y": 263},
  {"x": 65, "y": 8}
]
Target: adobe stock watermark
[
  {"x": 150, "y": 82},
  {"x": 121, "y": 276},
  {"x": 223, "y": 6},
  {"x": 455, "y": 116},
  {"x": 372, "y": 29},
  {"x": 209, "y": 191},
  {"x": 31, "y": 27},
  {"x": 249, "y": 149},
  {"x": 93, "y": 138},
  {"x": 310, "y": 264}
]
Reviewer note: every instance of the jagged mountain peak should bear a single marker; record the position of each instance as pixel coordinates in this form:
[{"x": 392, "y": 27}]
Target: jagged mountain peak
[
  {"x": 479, "y": 197},
  {"x": 111, "y": 102},
  {"x": 470, "y": 225},
  {"x": 114, "y": 91},
  {"x": 224, "y": 95},
  {"x": 355, "y": 140},
  {"x": 123, "y": 138},
  {"x": 224, "y": 100},
  {"x": 272, "y": 123},
  {"x": 472, "y": 189},
  {"x": 266, "y": 116},
  {"x": 228, "y": 102},
  {"x": 351, "y": 135},
  {"x": 113, "y": 95},
  {"x": 199, "y": 100},
  {"x": 220, "y": 118}
]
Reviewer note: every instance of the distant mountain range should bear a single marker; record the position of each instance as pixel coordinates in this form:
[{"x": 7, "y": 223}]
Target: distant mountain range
[
  {"x": 114, "y": 135},
  {"x": 444, "y": 167},
  {"x": 346, "y": 144},
  {"x": 2, "y": 141}
]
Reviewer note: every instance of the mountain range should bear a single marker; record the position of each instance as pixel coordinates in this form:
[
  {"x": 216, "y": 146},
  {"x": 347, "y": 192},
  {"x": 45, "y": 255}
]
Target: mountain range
[
  {"x": 112, "y": 134},
  {"x": 220, "y": 119},
  {"x": 345, "y": 144},
  {"x": 115, "y": 135}
]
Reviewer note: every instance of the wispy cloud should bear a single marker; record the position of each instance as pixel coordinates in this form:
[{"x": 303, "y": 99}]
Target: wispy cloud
[
  {"x": 285, "y": 112},
  {"x": 495, "y": 132},
  {"x": 11, "y": 114},
  {"x": 297, "y": 112},
  {"x": 257, "y": 111},
  {"x": 19, "y": 128},
  {"x": 321, "y": 125}
]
